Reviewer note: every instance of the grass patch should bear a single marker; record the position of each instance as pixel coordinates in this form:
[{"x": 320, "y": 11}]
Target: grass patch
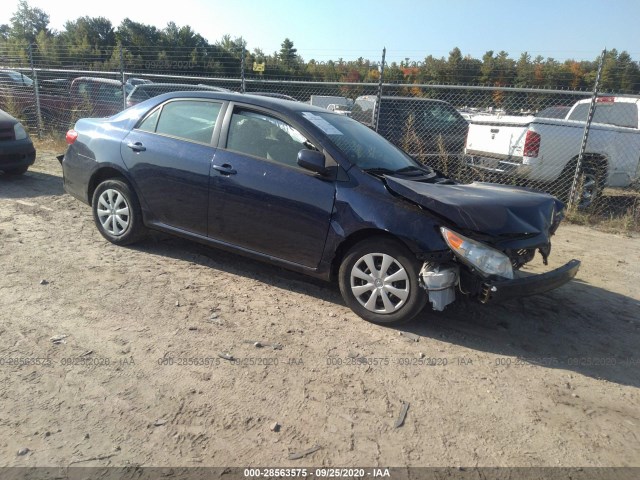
[
  {"x": 54, "y": 142},
  {"x": 624, "y": 222}
]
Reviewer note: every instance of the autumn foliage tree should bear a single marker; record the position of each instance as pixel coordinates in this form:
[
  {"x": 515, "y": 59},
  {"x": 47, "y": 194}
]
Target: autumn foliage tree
[{"x": 95, "y": 42}]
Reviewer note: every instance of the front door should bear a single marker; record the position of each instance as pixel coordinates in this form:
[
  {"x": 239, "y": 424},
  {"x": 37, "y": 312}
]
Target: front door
[{"x": 260, "y": 199}]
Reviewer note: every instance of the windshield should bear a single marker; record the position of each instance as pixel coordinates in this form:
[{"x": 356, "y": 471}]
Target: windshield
[
  {"x": 20, "y": 78},
  {"x": 361, "y": 145}
]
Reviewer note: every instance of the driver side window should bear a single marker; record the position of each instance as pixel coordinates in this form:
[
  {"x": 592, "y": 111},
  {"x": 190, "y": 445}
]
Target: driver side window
[{"x": 266, "y": 137}]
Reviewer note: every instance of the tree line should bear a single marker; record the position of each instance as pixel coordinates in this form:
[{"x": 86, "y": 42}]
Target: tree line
[{"x": 95, "y": 43}]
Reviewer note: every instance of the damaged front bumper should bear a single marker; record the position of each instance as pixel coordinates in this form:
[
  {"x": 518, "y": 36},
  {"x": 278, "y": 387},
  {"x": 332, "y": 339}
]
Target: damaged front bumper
[
  {"x": 495, "y": 291},
  {"x": 441, "y": 281}
]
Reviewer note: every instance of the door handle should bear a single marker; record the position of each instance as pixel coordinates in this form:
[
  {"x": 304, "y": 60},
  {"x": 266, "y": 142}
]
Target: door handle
[
  {"x": 137, "y": 147},
  {"x": 225, "y": 169}
]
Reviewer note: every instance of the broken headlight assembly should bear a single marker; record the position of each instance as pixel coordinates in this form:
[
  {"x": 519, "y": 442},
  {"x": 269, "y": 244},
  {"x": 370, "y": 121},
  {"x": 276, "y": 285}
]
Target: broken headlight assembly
[{"x": 487, "y": 260}]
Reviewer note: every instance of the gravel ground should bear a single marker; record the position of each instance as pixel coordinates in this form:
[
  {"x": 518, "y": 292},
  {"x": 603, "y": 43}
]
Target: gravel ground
[{"x": 114, "y": 356}]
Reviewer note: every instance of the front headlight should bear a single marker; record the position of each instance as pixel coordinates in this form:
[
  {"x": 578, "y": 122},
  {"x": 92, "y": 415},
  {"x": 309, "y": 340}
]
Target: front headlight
[
  {"x": 486, "y": 259},
  {"x": 19, "y": 132}
]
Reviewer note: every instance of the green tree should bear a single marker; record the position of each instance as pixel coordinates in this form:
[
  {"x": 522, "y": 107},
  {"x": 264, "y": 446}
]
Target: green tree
[
  {"x": 525, "y": 75},
  {"x": 288, "y": 54},
  {"x": 5, "y": 30},
  {"x": 455, "y": 67},
  {"x": 629, "y": 73},
  {"x": 89, "y": 38},
  {"x": 610, "y": 80},
  {"x": 487, "y": 73},
  {"x": 27, "y": 22},
  {"x": 137, "y": 36},
  {"x": 98, "y": 31},
  {"x": 233, "y": 46}
]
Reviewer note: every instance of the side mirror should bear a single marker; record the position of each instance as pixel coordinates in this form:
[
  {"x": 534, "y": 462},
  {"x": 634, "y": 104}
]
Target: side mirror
[{"x": 312, "y": 160}]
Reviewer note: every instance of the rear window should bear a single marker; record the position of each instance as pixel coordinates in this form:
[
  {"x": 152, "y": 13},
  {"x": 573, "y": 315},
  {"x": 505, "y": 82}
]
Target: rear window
[
  {"x": 441, "y": 114},
  {"x": 362, "y": 110},
  {"x": 191, "y": 120},
  {"x": 18, "y": 78},
  {"x": 618, "y": 114},
  {"x": 427, "y": 114},
  {"x": 109, "y": 93}
]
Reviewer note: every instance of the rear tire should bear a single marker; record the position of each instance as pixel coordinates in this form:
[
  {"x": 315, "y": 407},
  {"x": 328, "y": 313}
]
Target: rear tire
[
  {"x": 594, "y": 176},
  {"x": 117, "y": 212},
  {"x": 379, "y": 281}
]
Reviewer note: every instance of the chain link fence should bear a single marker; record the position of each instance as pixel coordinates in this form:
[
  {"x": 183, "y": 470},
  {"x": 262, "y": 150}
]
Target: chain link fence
[{"x": 578, "y": 145}]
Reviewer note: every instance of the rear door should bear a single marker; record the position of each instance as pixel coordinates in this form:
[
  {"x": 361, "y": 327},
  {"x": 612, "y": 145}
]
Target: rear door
[
  {"x": 260, "y": 199},
  {"x": 169, "y": 155}
]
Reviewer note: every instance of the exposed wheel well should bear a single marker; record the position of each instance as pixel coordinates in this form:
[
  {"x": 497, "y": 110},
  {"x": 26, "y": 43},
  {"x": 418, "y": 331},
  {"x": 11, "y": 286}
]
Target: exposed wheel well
[
  {"x": 594, "y": 159},
  {"x": 355, "y": 238},
  {"x": 106, "y": 173}
]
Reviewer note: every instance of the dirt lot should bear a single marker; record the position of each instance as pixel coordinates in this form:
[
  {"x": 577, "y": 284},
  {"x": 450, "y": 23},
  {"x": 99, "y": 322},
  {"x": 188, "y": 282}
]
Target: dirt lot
[{"x": 552, "y": 380}]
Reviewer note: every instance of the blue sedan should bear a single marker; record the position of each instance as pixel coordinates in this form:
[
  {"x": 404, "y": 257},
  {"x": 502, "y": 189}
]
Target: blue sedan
[{"x": 313, "y": 191}]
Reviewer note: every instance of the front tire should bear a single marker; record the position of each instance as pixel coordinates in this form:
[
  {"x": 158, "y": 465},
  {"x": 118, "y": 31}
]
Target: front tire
[
  {"x": 117, "y": 212},
  {"x": 379, "y": 281}
]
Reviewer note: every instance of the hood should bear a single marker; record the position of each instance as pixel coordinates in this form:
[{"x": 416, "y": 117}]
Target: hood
[{"x": 498, "y": 211}]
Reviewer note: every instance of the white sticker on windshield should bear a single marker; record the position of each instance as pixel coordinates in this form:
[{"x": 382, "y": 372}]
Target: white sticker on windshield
[{"x": 321, "y": 123}]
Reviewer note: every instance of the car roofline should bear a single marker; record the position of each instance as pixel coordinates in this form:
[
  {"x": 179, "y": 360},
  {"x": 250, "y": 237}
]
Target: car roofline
[{"x": 257, "y": 100}]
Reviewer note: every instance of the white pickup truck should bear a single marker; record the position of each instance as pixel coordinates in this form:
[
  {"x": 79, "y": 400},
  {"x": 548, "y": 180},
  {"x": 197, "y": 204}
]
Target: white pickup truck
[{"x": 538, "y": 150}]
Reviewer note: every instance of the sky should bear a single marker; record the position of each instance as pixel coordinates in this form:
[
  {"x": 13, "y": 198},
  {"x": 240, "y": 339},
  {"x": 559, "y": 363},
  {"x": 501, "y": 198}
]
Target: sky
[{"x": 348, "y": 29}]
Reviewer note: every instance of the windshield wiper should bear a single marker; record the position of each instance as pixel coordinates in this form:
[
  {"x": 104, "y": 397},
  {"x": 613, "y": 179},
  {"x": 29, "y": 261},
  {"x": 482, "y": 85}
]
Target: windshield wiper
[
  {"x": 410, "y": 171},
  {"x": 414, "y": 168},
  {"x": 425, "y": 172},
  {"x": 379, "y": 171}
]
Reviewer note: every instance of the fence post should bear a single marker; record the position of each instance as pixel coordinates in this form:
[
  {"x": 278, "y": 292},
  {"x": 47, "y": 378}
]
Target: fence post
[
  {"x": 36, "y": 90},
  {"x": 124, "y": 90},
  {"x": 377, "y": 108},
  {"x": 585, "y": 136},
  {"x": 242, "y": 68}
]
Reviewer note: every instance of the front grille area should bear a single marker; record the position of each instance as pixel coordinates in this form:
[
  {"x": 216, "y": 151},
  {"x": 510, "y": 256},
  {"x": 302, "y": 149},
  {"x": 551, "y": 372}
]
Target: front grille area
[{"x": 520, "y": 257}]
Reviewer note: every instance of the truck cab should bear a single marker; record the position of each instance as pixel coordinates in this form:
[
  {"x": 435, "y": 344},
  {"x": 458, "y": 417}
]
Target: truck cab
[{"x": 423, "y": 127}]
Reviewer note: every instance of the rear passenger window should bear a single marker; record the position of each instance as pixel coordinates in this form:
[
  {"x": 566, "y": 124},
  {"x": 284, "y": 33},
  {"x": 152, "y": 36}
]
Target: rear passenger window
[
  {"x": 187, "y": 119},
  {"x": 149, "y": 123}
]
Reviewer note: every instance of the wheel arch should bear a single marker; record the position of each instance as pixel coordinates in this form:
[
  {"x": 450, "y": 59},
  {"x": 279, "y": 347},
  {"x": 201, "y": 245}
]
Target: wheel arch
[
  {"x": 106, "y": 172},
  {"x": 600, "y": 160},
  {"x": 357, "y": 237}
]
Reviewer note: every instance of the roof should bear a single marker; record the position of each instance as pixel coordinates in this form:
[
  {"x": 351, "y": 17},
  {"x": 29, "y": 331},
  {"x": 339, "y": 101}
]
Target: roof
[
  {"x": 273, "y": 103},
  {"x": 110, "y": 81},
  {"x": 373, "y": 98}
]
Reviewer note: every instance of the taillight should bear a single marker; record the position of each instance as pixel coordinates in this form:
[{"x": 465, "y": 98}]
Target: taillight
[
  {"x": 531, "y": 144},
  {"x": 71, "y": 136}
]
